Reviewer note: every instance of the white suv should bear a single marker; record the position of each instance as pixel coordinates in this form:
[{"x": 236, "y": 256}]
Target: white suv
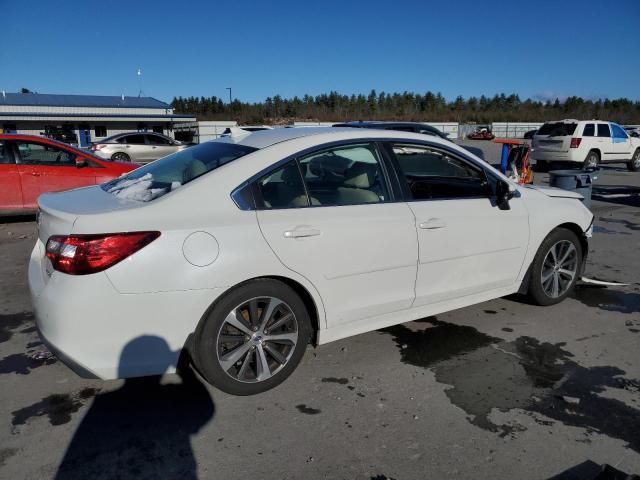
[{"x": 588, "y": 142}]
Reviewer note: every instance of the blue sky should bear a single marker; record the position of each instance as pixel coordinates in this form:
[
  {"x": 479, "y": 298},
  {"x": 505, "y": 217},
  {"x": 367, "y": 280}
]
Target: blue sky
[{"x": 545, "y": 48}]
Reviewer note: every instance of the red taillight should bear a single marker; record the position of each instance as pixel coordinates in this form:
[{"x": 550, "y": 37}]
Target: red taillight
[
  {"x": 85, "y": 254},
  {"x": 575, "y": 142},
  {"x": 99, "y": 146}
]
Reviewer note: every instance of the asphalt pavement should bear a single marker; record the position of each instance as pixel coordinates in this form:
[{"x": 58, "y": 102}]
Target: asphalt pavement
[{"x": 503, "y": 389}]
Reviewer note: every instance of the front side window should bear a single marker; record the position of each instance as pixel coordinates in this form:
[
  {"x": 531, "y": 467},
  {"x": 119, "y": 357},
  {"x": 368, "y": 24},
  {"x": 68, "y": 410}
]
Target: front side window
[
  {"x": 618, "y": 132},
  {"x": 603, "y": 130},
  {"x": 589, "y": 130},
  {"x": 345, "y": 175},
  {"x": 434, "y": 174},
  {"x": 41, "y": 154},
  {"x": 5, "y": 154},
  {"x": 171, "y": 172},
  {"x": 157, "y": 140}
]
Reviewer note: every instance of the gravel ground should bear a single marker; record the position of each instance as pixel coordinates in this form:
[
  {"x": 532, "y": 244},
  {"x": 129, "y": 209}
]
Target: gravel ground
[{"x": 501, "y": 389}]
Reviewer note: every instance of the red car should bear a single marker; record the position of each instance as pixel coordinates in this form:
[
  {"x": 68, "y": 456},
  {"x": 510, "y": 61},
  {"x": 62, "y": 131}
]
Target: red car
[{"x": 31, "y": 165}]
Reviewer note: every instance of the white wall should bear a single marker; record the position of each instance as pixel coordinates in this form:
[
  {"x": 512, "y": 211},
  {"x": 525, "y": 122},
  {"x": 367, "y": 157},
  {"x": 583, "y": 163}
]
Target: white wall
[
  {"x": 205, "y": 130},
  {"x": 513, "y": 129}
]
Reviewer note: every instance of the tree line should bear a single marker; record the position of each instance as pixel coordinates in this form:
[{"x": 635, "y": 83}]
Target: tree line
[{"x": 407, "y": 106}]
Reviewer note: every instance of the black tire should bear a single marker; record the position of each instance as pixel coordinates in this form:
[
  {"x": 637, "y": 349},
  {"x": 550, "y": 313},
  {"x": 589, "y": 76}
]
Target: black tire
[
  {"x": 592, "y": 160},
  {"x": 208, "y": 350},
  {"x": 120, "y": 157},
  {"x": 536, "y": 290},
  {"x": 542, "y": 166},
  {"x": 634, "y": 164}
]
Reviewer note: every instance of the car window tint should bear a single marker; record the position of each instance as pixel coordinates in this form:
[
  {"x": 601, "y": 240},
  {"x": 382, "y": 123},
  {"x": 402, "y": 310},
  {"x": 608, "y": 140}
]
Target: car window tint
[
  {"x": 5, "y": 155},
  {"x": 603, "y": 130},
  {"x": 434, "y": 174},
  {"x": 134, "y": 139},
  {"x": 589, "y": 130},
  {"x": 41, "y": 154},
  {"x": 618, "y": 132},
  {"x": 157, "y": 140},
  {"x": 345, "y": 175},
  {"x": 557, "y": 129},
  {"x": 283, "y": 188}
]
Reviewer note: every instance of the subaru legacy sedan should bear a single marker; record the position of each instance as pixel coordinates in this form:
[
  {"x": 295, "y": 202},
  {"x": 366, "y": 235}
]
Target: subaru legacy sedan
[{"x": 243, "y": 250}]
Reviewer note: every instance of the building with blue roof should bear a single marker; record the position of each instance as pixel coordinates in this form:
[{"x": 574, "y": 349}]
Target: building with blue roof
[{"x": 87, "y": 118}]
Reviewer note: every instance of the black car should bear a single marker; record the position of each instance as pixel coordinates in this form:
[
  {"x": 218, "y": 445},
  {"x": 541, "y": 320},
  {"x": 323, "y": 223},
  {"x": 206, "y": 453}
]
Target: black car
[{"x": 402, "y": 126}]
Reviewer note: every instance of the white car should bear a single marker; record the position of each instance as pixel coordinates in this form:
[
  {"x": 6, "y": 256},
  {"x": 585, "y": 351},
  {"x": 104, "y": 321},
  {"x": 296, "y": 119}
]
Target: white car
[
  {"x": 586, "y": 142},
  {"x": 242, "y": 250}
]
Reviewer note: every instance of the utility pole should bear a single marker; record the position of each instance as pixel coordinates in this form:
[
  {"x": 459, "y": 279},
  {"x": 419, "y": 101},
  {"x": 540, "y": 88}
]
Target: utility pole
[{"x": 229, "y": 88}]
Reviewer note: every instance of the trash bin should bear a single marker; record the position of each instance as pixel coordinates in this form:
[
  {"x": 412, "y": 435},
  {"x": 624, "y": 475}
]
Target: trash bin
[{"x": 580, "y": 181}]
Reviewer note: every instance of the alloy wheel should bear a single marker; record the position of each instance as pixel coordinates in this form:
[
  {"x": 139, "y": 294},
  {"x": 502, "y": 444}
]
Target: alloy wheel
[
  {"x": 592, "y": 160},
  {"x": 636, "y": 159},
  {"x": 559, "y": 268},
  {"x": 257, "y": 339}
]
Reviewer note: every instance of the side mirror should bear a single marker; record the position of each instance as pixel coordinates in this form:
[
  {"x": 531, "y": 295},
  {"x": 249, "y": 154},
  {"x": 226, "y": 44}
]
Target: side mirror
[
  {"x": 81, "y": 162},
  {"x": 503, "y": 195}
]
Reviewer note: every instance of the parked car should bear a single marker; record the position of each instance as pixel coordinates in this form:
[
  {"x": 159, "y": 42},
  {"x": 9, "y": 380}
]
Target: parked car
[
  {"x": 243, "y": 249},
  {"x": 633, "y": 131},
  {"x": 31, "y": 165},
  {"x": 587, "y": 143},
  {"x": 247, "y": 128},
  {"x": 481, "y": 133},
  {"x": 399, "y": 126},
  {"x": 140, "y": 147}
]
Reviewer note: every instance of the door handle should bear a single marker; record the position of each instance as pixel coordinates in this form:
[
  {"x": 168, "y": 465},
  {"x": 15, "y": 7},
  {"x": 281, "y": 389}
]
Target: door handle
[
  {"x": 35, "y": 174},
  {"x": 301, "y": 233},
  {"x": 433, "y": 224}
]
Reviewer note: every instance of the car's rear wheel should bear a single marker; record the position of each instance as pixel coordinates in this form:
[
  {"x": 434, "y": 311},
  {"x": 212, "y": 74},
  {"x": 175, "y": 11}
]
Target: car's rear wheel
[
  {"x": 253, "y": 338},
  {"x": 556, "y": 267},
  {"x": 592, "y": 160},
  {"x": 120, "y": 157},
  {"x": 634, "y": 164}
]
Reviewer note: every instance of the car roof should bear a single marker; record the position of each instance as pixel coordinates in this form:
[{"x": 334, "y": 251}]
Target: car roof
[{"x": 266, "y": 138}]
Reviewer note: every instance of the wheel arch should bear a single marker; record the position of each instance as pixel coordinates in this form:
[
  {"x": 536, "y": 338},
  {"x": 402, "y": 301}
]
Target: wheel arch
[
  {"x": 573, "y": 227},
  {"x": 597, "y": 150}
]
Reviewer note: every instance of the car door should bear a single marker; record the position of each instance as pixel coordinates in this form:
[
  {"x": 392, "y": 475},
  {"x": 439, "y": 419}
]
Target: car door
[
  {"x": 45, "y": 167},
  {"x": 159, "y": 146},
  {"x": 604, "y": 141},
  {"x": 341, "y": 230},
  {"x": 467, "y": 244},
  {"x": 10, "y": 189},
  {"x": 135, "y": 146},
  {"x": 621, "y": 143}
]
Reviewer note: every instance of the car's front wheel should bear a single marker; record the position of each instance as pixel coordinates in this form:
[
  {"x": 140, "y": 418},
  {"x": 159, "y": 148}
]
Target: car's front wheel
[
  {"x": 253, "y": 338},
  {"x": 634, "y": 164},
  {"x": 556, "y": 267}
]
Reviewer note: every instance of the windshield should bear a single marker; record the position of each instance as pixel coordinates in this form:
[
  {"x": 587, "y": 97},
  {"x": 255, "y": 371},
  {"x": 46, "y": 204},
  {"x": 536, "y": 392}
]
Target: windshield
[
  {"x": 169, "y": 173},
  {"x": 557, "y": 129}
]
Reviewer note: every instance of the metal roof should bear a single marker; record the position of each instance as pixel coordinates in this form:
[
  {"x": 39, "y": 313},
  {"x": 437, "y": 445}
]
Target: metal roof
[{"x": 54, "y": 100}]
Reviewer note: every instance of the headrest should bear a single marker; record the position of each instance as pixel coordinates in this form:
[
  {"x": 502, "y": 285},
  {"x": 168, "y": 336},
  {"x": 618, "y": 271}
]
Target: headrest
[
  {"x": 291, "y": 175},
  {"x": 361, "y": 175}
]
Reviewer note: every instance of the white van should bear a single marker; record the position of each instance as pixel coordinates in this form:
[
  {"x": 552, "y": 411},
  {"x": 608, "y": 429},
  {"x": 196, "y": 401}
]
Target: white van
[{"x": 588, "y": 142}]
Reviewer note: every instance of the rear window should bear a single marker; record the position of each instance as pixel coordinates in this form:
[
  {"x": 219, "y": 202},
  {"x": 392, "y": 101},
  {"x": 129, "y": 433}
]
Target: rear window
[
  {"x": 557, "y": 129},
  {"x": 169, "y": 173}
]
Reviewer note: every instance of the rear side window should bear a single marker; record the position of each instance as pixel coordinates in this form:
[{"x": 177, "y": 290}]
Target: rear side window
[
  {"x": 283, "y": 188},
  {"x": 133, "y": 140},
  {"x": 557, "y": 129},
  {"x": 603, "y": 130},
  {"x": 432, "y": 174},
  {"x": 589, "y": 130},
  {"x": 169, "y": 173}
]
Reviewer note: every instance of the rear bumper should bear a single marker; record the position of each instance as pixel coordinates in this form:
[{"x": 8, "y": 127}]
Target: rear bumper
[
  {"x": 101, "y": 333},
  {"x": 573, "y": 155}
]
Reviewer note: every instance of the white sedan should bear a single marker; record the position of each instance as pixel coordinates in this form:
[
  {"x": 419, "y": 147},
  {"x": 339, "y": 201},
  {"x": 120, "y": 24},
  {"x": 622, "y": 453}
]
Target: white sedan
[{"x": 242, "y": 250}]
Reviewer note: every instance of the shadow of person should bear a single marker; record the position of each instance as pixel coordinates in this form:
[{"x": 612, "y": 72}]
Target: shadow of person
[{"x": 143, "y": 429}]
